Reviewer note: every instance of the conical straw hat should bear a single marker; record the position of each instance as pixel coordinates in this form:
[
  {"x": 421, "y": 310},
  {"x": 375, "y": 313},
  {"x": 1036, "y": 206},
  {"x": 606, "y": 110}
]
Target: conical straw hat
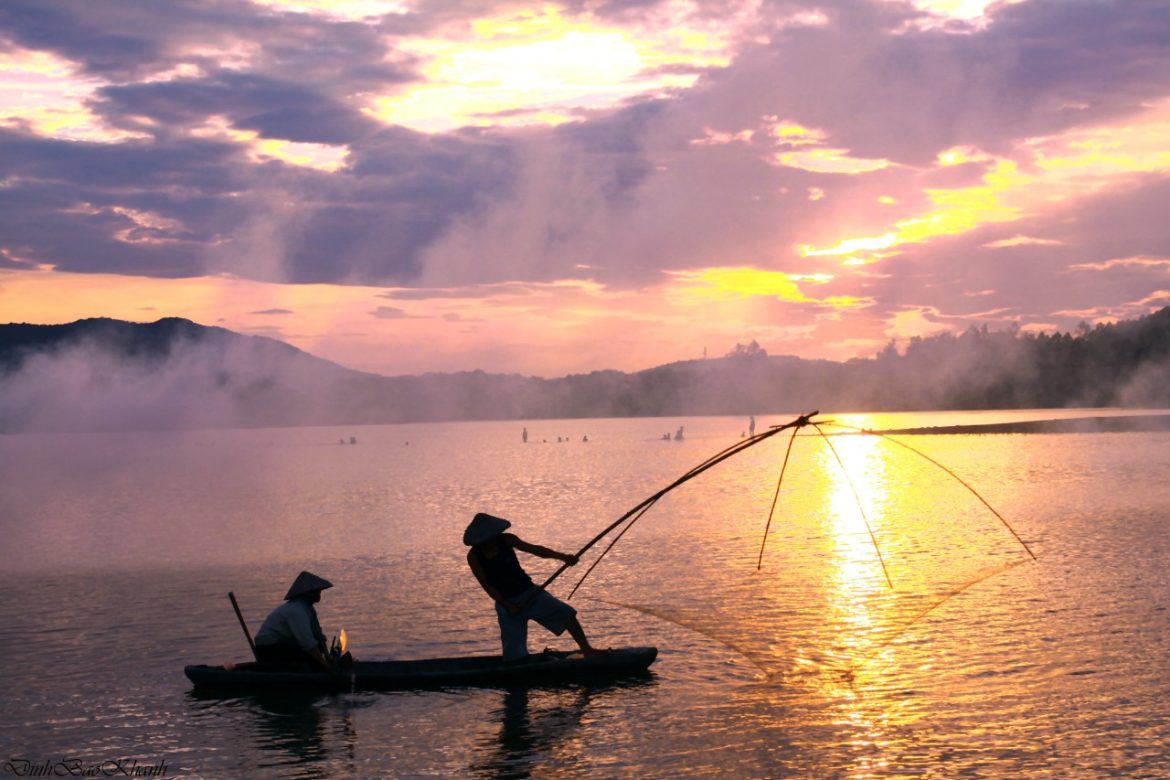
[
  {"x": 484, "y": 527},
  {"x": 306, "y": 582}
]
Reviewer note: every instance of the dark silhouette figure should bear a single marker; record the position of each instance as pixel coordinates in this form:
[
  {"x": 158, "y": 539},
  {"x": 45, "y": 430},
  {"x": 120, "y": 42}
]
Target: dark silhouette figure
[
  {"x": 291, "y": 635},
  {"x": 492, "y": 559}
]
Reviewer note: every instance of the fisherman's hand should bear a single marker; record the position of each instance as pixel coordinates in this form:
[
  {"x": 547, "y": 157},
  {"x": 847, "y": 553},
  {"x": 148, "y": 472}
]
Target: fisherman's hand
[
  {"x": 513, "y": 609},
  {"x": 570, "y": 559}
]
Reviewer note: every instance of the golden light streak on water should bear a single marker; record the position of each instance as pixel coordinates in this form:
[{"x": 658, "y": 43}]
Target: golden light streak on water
[{"x": 854, "y": 564}]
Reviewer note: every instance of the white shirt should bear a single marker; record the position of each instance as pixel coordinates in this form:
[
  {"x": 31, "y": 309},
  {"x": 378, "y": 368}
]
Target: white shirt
[{"x": 292, "y": 623}]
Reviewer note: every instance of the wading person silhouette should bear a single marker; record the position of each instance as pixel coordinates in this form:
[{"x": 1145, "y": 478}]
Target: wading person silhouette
[{"x": 492, "y": 559}]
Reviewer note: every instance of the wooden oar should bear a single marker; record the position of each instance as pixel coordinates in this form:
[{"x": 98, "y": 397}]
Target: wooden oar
[{"x": 243, "y": 624}]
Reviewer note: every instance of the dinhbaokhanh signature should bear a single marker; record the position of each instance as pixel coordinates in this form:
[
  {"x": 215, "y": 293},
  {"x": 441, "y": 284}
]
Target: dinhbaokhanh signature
[{"x": 76, "y": 767}]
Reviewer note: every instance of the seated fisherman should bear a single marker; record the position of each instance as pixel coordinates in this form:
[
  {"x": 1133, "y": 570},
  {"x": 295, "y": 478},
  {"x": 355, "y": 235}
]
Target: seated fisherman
[
  {"x": 291, "y": 635},
  {"x": 492, "y": 558}
]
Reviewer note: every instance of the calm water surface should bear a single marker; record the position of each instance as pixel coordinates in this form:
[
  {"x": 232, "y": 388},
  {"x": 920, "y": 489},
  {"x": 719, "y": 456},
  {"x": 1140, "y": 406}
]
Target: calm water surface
[{"x": 118, "y": 552}]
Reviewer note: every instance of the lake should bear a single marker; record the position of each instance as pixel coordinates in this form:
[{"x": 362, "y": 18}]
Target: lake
[{"x": 962, "y": 657}]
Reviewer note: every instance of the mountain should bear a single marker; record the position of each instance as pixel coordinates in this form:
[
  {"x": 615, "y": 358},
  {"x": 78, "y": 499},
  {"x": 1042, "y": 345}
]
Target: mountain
[{"x": 103, "y": 374}]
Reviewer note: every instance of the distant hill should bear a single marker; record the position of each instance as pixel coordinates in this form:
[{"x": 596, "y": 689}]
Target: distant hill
[{"x": 103, "y": 374}]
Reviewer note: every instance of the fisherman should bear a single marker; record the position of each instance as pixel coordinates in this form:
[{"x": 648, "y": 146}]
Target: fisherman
[
  {"x": 291, "y": 635},
  {"x": 492, "y": 558}
]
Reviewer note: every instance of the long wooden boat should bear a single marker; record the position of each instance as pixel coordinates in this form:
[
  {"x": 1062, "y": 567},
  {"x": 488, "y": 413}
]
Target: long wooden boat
[{"x": 550, "y": 666}]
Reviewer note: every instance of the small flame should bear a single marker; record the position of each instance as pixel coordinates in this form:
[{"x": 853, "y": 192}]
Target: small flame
[{"x": 343, "y": 642}]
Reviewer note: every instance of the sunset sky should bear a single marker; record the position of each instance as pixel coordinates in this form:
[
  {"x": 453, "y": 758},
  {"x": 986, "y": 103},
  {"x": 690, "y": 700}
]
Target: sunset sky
[{"x": 550, "y": 188}]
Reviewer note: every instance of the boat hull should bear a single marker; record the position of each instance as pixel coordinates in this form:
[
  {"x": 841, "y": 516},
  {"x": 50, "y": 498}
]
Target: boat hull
[{"x": 480, "y": 671}]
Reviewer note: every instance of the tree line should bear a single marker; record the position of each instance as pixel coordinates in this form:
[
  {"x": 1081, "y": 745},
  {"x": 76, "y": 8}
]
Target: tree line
[{"x": 105, "y": 374}]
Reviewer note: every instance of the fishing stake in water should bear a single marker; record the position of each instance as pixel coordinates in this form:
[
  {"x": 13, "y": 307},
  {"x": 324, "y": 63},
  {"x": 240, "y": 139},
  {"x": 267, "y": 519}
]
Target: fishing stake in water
[{"x": 636, "y": 513}]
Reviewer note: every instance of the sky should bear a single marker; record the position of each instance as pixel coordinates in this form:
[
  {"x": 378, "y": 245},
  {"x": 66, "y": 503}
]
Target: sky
[{"x": 554, "y": 188}]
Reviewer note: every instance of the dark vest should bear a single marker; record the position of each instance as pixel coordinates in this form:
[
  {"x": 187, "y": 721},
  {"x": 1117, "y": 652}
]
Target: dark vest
[{"x": 503, "y": 572}]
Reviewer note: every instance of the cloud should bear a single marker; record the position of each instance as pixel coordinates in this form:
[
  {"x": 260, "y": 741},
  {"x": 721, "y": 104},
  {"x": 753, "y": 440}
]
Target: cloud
[
  {"x": 390, "y": 313},
  {"x": 272, "y": 311},
  {"x": 1140, "y": 263},
  {"x": 274, "y": 108},
  {"x": 886, "y": 93},
  {"x": 131, "y": 42},
  {"x": 70, "y": 204},
  {"x": 975, "y": 167},
  {"x": 1019, "y": 240},
  {"x": 467, "y": 292}
]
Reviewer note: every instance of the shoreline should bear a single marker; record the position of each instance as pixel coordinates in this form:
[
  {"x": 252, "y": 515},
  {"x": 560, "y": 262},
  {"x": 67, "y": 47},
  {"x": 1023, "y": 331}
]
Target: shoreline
[{"x": 1138, "y": 423}]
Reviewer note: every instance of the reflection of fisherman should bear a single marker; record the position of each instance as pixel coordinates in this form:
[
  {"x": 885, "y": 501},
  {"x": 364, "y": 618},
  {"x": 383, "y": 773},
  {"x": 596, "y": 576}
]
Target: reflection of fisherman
[
  {"x": 492, "y": 558},
  {"x": 291, "y": 635}
]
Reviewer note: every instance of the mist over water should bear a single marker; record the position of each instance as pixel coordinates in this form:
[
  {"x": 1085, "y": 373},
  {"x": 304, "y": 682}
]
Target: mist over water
[
  {"x": 120, "y": 549},
  {"x": 104, "y": 375}
]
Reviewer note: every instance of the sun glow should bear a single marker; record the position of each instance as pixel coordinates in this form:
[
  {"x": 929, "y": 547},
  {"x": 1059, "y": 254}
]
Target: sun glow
[
  {"x": 541, "y": 67},
  {"x": 865, "y": 462}
]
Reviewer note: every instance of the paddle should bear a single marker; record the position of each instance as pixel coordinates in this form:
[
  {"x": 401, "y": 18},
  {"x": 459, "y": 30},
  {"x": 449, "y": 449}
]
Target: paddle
[{"x": 243, "y": 624}]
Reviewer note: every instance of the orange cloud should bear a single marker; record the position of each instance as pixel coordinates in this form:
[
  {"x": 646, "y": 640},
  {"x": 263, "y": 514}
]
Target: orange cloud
[{"x": 1078, "y": 163}]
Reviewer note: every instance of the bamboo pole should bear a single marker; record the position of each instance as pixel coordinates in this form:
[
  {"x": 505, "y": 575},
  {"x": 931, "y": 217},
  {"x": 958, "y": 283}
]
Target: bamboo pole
[{"x": 640, "y": 509}]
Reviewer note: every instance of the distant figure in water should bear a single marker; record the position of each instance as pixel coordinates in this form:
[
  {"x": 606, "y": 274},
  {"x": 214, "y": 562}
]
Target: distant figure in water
[
  {"x": 492, "y": 559},
  {"x": 678, "y": 435},
  {"x": 585, "y": 437},
  {"x": 752, "y": 426},
  {"x": 524, "y": 436},
  {"x": 353, "y": 440},
  {"x": 291, "y": 635}
]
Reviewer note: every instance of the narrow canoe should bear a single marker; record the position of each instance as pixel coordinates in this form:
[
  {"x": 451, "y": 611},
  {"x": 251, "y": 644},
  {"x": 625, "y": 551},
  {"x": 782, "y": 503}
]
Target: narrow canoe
[{"x": 537, "y": 669}]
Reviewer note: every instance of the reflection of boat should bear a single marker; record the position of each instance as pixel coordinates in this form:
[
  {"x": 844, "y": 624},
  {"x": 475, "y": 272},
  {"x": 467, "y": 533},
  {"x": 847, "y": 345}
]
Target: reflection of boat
[{"x": 548, "y": 667}]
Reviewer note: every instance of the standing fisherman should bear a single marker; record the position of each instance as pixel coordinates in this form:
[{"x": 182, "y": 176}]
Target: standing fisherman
[
  {"x": 492, "y": 558},
  {"x": 291, "y": 635}
]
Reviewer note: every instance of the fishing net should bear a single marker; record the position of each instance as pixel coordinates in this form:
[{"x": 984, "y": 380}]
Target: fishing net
[{"x": 867, "y": 538}]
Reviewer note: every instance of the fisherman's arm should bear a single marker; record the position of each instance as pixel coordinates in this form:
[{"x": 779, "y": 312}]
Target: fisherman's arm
[
  {"x": 320, "y": 659},
  {"x": 541, "y": 552},
  {"x": 481, "y": 576}
]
